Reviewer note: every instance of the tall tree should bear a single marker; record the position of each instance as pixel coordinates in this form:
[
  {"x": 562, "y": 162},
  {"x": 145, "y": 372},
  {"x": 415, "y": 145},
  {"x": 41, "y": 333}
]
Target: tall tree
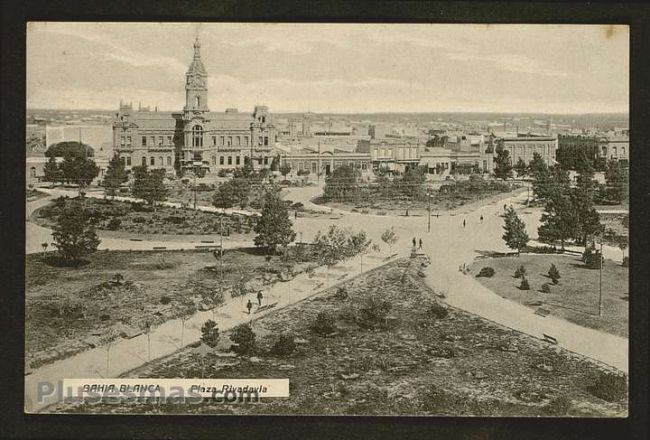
[
  {"x": 502, "y": 164},
  {"x": 521, "y": 168},
  {"x": 79, "y": 170},
  {"x": 149, "y": 184},
  {"x": 412, "y": 183},
  {"x": 74, "y": 234},
  {"x": 586, "y": 217},
  {"x": 274, "y": 227},
  {"x": 342, "y": 184},
  {"x": 616, "y": 177},
  {"x": 515, "y": 234},
  {"x": 285, "y": 169},
  {"x": 541, "y": 175},
  {"x": 559, "y": 217},
  {"x": 115, "y": 175},
  {"x": 224, "y": 197}
]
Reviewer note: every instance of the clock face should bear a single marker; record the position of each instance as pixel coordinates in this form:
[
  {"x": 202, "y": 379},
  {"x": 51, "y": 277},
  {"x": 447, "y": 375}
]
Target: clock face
[{"x": 197, "y": 81}]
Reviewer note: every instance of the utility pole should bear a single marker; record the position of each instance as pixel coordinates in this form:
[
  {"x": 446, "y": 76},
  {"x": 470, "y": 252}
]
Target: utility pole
[
  {"x": 600, "y": 284},
  {"x": 429, "y": 209},
  {"x": 195, "y": 170},
  {"x": 318, "y": 173}
]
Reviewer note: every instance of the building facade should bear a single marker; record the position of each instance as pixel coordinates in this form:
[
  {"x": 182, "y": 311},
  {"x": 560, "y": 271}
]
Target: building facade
[
  {"x": 523, "y": 147},
  {"x": 326, "y": 161},
  {"x": 194, "y": 137}
]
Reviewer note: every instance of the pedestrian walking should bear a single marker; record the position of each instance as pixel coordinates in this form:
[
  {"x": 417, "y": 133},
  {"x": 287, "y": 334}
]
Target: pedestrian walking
[
  {"x": 259, "y": 297},
  {"x": 420, "y": 243},
  {"x": 464, "y": 223},
  {"x": 481, "y": 218},
  {"x": 295, "y": 214},
  {"x": 407, "y": 213},
  {"x": 249, "y": 306},
  {"x": 414, "y": 242}
]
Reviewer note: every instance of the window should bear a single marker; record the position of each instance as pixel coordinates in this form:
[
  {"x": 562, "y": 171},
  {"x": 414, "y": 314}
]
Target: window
[
  {"x": 128, "y": 161},
  {"x": 260, "y": 140},
  {"x": 222, "y": 140},
  {"x": 266, "y": 140},
  {"x": 169, "y": 140},
  {"x": 214, "y": 160},
  {"x": 266, "y": 160},
  {"x": 160, "y": 140},
  {"x": 238, "y": 139},
  {"x": 314, "y": 167},
  {"x": 160, "y": 160},
  {"x": 144, "y": 141},
  {"x": 230, "y": 141},
  {"x": 197, "y": 101},
  {"x": 614, "y": 151},
  {"x": 197, "y": 136},
  {"x": 32, "y": 172},
  {"x": 220, "y": 160},
  {"x": 214, "y": 141},
  {"x": 153, "y": 141},
  {"x": 623, "y": 151},
  {"x": 144, "y": 161},
  {"x": 123, "y": 160},
  {"x": 237, "y": 160},
  {"x": 229, "y": 160},
  {"x": 122, "y": 140},
  {"x": 245, "y": 140},
  {"x": 152, "y": 160}
]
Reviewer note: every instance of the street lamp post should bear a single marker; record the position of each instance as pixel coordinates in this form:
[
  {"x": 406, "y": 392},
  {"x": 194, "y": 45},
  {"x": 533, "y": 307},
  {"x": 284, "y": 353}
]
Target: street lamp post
[
  {"x": 600, "y": 283},
  {"x": 429, "y": 209}
]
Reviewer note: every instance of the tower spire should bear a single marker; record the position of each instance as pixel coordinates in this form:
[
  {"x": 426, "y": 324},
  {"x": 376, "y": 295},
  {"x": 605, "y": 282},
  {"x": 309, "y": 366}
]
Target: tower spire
[{"x": 197, "y": 48}]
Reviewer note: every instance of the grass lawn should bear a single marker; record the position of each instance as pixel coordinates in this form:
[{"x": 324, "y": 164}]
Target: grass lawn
[
  {"x": 67, "y": 309},
  {"x": 574, "y": 298},
  {"x": 415, "y": 364}
]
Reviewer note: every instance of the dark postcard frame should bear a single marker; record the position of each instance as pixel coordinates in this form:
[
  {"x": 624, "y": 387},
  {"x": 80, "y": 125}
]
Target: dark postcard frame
[{"x": 16, "y": 424}]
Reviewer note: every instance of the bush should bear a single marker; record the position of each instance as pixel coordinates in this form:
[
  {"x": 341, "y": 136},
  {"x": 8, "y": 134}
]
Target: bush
[
  {"x": 524, "y": 284},
  {"x": 437, "y": 311},
  {"x": 520, "y": 272},
  {"x": 341, "y": 294},
  {"x": 175, "y": 219},
  {"x": 139, "y": 220},
  {"x": 558, "y": 407},
  {"x": 210, "y": 333},
  {"x": 164, "y": 300},
  {"x": 373, "y": 314},
  {"x": 284, "y": 346},
  {"x": 244, "y": 338},
  {"x": 554, "y": 274},
  {"x": 487, "y": 272},
  {"x": 324, "y": 324},
  {"x": 610, "y": 387},
  {"x": 546, "y": 288},
  {"x": 114, "y": 224}
]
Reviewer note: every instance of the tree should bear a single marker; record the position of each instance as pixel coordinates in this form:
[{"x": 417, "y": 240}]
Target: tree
[
  {"x": 115, "y": 175},
  {"x": 275, "y": 163},
  {"x": 224, "y": 197},
  {"x": 52, "y": 172},
  {"x": 79, "y": 170},
  {"x": 389, "y": 237},
  {"x": 558, "y": 219},
  {"x": 515, "y": 234},
  {"x": 244, "y": 338},
  {"x": 541, "y": 175},
  {"x": 74, "y": 235},
  {"x": 554, "y": 274},
  {"x": 285, "y": 169},
  {"x": 616, "y": 177},
  {"x": 587, "y": 220},
  {"x": 274, "y": 227},
  {"x": 502, "y": 164},
  {"x": 342, "y": 184},
  {"x": 412, "y": 182},
  {"x": 521, "y": 168},
  {"x": 623, "y": 243},
  {"x": 210, "y": 333},
  {"x": 149, "y": 184}
]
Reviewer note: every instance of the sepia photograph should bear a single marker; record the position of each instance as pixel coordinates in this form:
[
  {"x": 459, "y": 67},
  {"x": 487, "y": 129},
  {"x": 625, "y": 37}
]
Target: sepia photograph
[{"x": 327, "y": 219}]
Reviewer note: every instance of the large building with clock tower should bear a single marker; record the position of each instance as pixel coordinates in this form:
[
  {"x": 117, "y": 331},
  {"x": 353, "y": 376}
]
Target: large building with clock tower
[{"x": 194, "y": 138}]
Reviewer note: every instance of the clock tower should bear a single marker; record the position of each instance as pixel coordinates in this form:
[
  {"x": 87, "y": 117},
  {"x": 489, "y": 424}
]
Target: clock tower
[{"x": 196, "y": 83}]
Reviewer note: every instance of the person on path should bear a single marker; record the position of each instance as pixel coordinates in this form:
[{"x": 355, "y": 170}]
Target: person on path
[
  {"x": 259, "y": 297},
  {"x": 481, "y": 218},
  {"x": 420, "y": 243},
  {"x": 414, "y": 242},
  {"x": 295, "y": 214},
  {"x": 464, "y": 223},
  {"x": 249, "y": 306},
  {"x": 407, "y": 214}
]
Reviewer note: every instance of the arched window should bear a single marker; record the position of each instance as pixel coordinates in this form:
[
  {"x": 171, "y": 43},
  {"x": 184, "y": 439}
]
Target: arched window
[
  {"x": 197, "y": 101},
  {"x": 32, "y": 172},
  {"x": 197, "y": 136}
]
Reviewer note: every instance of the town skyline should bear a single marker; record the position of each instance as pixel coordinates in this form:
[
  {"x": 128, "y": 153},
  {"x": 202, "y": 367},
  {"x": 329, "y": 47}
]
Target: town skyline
[{"x": 295, "y": 69}]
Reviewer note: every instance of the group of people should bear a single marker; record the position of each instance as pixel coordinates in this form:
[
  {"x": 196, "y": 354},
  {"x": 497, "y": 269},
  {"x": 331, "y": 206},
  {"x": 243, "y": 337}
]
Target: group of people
[
  {"x": 465, "y": 221},
  {"x": 249, "y": 305},
  {"x": 415, "y": 243}
]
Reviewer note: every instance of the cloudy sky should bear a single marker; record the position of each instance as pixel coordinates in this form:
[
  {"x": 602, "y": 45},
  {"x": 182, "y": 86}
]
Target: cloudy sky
[{"x": 333, "y": 67}]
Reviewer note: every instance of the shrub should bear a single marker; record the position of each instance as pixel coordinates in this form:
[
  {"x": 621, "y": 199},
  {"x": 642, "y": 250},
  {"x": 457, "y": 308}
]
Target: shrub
[
  {"x": 487, "y": 272},
  {"x": 554, "y": 274},
  {"x": 558, "y": 407},
  {"x": 341, "y": 294},
  {"x": 524, "y": 284},
  {"x": 174, "y": 219},
  {"x": 610, "y": 387},
  {"x": 284, "y": 346},
  {"x": 520, "y": 272},
  {"x": 164, "y": 300},
  {"x": 546, "y": 288},
  {"x": 210, "y": 333},
  {"x": 114, "y": 224},
  {"x": 324, "y": 324},
  {"x": 373, "y": 314},
  {"x": 244, "y": 338},
  {"x": 437, "y": 311},
  {"x": 139, "y": 220}
]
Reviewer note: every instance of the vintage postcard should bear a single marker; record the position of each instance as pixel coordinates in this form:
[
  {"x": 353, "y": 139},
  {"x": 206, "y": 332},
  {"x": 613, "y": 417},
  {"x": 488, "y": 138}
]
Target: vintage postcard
[{"x": 327, "y": 219}]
